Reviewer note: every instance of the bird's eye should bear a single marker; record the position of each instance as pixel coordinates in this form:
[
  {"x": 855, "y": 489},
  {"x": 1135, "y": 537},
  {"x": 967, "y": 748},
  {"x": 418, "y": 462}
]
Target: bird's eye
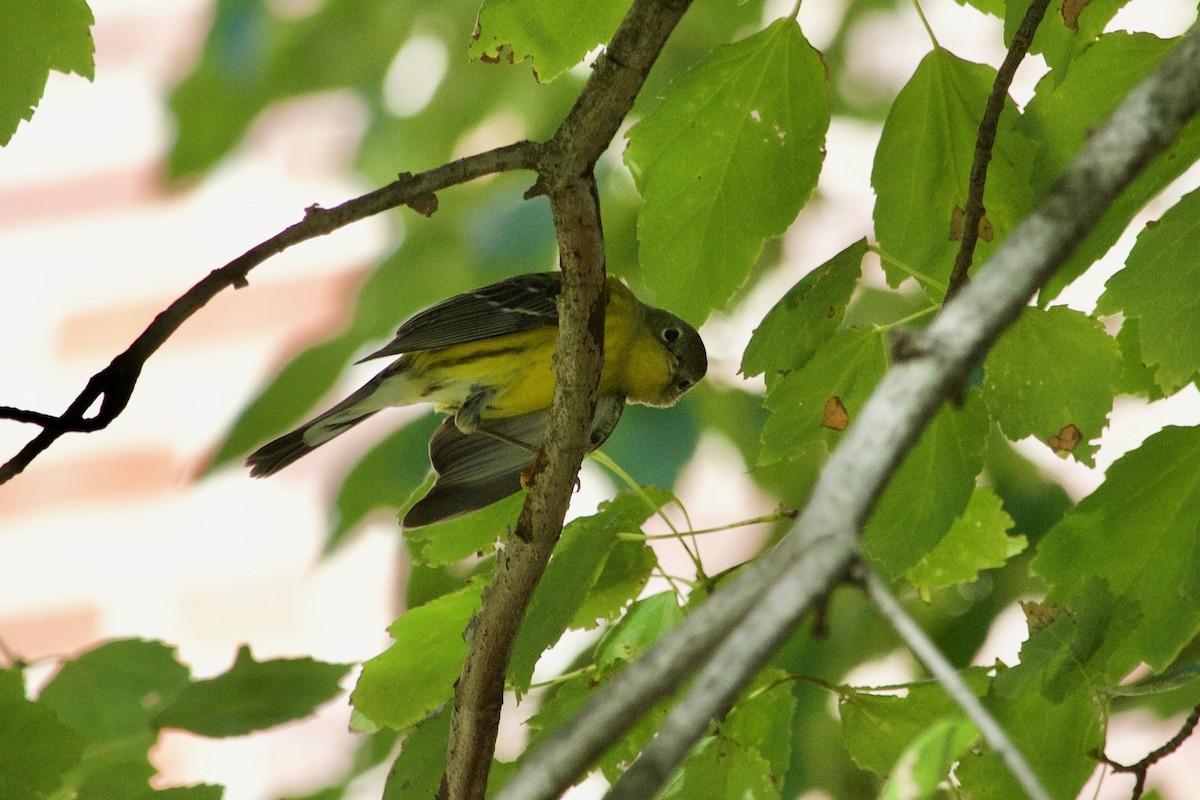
[
  {"x": 670, "y": 335},
  {"x": 683, "y": 385}
]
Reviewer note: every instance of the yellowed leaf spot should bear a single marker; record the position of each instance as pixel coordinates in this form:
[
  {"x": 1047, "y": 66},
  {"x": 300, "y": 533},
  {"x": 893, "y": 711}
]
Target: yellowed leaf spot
[
  {"x": 835, "y": 417},
  {"x": 1071, "y": 9},
  {"x": 986, "y": 232},
  {"x": 958, "y": 221},
  {"x": 1066, "y": 440},
  {"x": 1040, "y": 615}
]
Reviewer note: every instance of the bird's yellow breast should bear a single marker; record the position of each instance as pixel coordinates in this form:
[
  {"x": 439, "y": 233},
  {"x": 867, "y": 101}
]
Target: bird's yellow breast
[{"x": 519, "y": 367}]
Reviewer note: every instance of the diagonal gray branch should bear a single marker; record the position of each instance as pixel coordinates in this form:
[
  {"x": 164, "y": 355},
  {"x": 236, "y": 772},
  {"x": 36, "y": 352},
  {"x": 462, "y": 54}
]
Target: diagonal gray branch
[{"x": 930, "y": 368}]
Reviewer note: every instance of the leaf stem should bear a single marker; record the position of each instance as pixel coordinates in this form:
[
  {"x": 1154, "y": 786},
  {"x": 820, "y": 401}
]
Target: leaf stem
[
  {"x": 774, "y": 516},
  {"x": 925, "y": 22},
  {"x": 605, "y": 460},
  {"x": 920, "y": 276},
  {"x": 905, "y": 320},
  {"x": 564, "y": 677}
]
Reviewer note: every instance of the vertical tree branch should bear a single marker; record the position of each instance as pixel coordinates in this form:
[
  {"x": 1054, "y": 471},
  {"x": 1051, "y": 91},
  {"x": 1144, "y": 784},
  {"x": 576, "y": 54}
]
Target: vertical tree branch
[
  {"x": 565, "y": 176},
  {"x": 984, "y": 141},
  {"x": 480, "y": 691}
]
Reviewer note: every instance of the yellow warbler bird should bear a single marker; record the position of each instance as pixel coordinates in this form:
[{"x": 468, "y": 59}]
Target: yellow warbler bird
[{"x": 487, "y": 358}]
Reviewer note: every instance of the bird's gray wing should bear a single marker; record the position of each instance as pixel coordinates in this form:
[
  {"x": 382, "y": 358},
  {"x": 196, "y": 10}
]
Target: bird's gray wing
[
  {"x": 516, "y": 304},
  {"x": 476, "y": 470}
]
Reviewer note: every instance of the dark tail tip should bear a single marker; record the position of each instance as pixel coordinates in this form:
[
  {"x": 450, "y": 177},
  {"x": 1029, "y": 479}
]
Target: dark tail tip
[{"x": 275, "y": 455}]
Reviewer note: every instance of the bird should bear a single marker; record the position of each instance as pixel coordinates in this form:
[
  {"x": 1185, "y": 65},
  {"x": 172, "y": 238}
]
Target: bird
[{"x": 486, "y": 358}]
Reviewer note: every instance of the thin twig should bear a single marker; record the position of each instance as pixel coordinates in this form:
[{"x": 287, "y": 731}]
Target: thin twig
[
  {"x": 1141, "y": 768},
  {"x": 984, "y": 141},
  {"x": 113, "y": 385},
  {"x": 928, "y": 654},
  {"x": 823, "y": 541}
]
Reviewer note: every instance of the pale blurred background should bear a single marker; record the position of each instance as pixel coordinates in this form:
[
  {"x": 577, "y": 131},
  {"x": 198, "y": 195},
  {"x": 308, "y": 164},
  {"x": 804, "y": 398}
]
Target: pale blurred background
[{"x": 111, "y": 534}]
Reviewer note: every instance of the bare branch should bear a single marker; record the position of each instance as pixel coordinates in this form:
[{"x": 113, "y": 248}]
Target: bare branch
[
  {"x": 1141, "y": 768},
  {"x": 984, "y": 141},
  {"x": 113, "y": 385},
  {"x": 823, "y": 542}
]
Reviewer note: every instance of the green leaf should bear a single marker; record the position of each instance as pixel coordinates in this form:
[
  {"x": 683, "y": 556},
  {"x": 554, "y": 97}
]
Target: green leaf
[
  {"x": 927, "y": 761},
  {"x": 646, "y": 621},
  {"x": 578, "y": 561},
  {"x": 106, "y": 773},
  {"x": 1136, "y": 378},
  {"x": 1035, "y": 501},
  {"x": 1137, "y": 531},
  {"x": 621, "y": 580},
  {"x": 112, "y": 695},
  {"x": 922, "y": 170},
  {"x": 1051, "y": 376},
  {"x": 1074, "y": 648},
  {"x": 1061, "y": 117},
  {"x": 722, "y": 768},
  {"x": 977, "y": 540},
  {"x": 383, "y": 478},
  {"x": 930, "y": 490},
  {"x": 878, "y": 728},
  {"x": 761, "y": 720},
  {"x": 474, "y": 534},
  {"x": 1163, "y": 257},
  {"x": 804, "y": 404},
  {"x": 36, "y": 749},
  {"x": 556, "y": 36},
  {"x": 414, "y": 676},
  {"x": 993, "y": 7},
  {"x": 805, "y": 317},
  {"x": 726, "y": 161},
  {"x": 116, "y": 690},
  {"x": 36, "y": 38},
  {"x": 1067, "y": 29},
  {"x": 1055, "y": 738},
  {"x": 417, "y": 771},
  {"x": 253, "y": 695}
]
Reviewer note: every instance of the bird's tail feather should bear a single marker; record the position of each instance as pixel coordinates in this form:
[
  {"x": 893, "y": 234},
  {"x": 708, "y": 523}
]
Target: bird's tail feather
[{"x": 278, "y": 453}]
